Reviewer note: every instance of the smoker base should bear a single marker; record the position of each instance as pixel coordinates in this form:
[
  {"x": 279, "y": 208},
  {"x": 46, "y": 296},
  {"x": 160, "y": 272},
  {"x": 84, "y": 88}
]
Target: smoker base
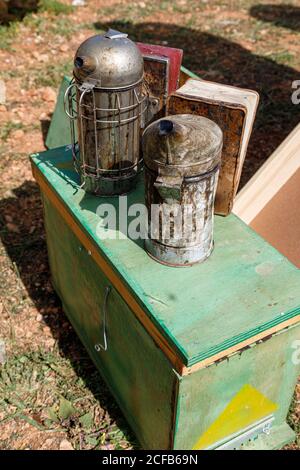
[
  {"x": 177, "y": 257},
  {"x": 105, "y": 186}
]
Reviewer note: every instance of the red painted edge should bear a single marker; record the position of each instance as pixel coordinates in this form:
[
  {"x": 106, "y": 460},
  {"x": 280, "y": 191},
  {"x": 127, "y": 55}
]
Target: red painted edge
[{"x": 175, "y": 58}]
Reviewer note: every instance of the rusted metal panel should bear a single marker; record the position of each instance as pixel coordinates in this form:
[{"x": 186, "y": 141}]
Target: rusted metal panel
[
  {"x": 161, "y": 76},
  {"x": 231, "y": 121}
]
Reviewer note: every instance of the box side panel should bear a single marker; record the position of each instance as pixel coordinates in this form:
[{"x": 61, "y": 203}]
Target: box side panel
[
  {"x": 59, "y": 130},
  {"x": 135, "y": 369},
  {"x": 231, "y": 395}
]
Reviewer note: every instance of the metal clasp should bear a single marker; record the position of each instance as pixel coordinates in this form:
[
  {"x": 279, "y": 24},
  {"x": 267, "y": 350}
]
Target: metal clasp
[
  {"x": 99, "y": 346},
  {"x": 169, "y": 187},
  {"x": 69, "y": 99}
]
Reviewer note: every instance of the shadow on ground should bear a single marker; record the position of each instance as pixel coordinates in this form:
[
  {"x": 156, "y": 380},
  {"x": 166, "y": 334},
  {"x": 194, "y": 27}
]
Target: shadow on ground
[
  {"x": 217, "y": 59},
  {"x": 15, "y": 10},
  {"x": 45, "y": 124},
  {"x": 27, "y": 250},
  {"x": 287, "y": 16}
]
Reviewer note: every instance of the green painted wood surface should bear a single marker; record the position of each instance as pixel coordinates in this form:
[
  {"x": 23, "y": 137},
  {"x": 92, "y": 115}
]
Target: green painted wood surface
[
  {"x": 267, "y": 366},
  {"x": 136, "y": 371},
  {"x": 244, "y": 288},
  {"x": 59, "y": 130}
]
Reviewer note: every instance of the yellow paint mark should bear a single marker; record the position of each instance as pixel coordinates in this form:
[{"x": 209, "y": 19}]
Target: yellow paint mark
[{"x": 248, "y": 406}]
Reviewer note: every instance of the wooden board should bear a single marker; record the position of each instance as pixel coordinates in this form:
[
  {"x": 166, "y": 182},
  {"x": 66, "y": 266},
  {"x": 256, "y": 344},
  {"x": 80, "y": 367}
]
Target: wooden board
[
  {"x": 239, "y": 285},
  {"x": 233, "y": 109},
  {"x": 174, "y": 58},
  {"x": 270, "y": 201},
  {"x": 59, "y": 130}
]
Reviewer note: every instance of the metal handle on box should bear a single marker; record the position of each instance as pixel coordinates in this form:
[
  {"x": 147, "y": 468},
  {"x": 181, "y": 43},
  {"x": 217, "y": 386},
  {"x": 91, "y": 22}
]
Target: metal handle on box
[{"x": 99, "y": 346}]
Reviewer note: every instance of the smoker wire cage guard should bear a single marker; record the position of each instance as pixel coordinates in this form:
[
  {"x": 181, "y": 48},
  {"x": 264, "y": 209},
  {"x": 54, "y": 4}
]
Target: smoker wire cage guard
[{"x": 109, "y": 114}]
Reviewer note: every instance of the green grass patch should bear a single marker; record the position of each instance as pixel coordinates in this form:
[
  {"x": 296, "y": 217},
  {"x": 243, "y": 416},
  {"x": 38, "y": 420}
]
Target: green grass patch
[
  {"x": 7, "y": 35},
  {"x": 51, "y": 75},
  {"x": 43, "y": 389},
  {"x": 7, "y": 128},
  {"x": 55, "y": 7}
]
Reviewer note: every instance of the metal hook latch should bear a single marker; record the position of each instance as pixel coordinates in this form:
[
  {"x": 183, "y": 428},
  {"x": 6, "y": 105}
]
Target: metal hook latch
[
  {"x": 68, "y": 101},
  {"x": 99, "y": 346},
  {"x": 169, "y": 187}
]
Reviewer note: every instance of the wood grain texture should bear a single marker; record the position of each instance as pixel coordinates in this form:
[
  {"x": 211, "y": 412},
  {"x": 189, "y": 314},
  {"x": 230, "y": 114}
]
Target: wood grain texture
[
  {"x": 231, "y": 120},
  {"x": 246, "y": 286}
]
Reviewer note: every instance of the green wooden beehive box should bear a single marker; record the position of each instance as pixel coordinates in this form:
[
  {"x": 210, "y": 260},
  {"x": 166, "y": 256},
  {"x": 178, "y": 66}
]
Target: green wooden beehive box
[{"x": 197, "y": 358}]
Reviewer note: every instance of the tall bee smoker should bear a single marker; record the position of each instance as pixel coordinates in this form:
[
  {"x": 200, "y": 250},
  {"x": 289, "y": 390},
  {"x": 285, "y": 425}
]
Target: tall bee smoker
[
  {"x": 107, "y": 100},
  {"x": 182, "y": 156}
]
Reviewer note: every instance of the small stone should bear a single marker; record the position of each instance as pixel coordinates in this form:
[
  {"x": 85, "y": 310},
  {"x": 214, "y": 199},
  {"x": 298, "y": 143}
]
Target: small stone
[
  {"x": 50, "y": 342},
  {"x": 65, "y": 445},
  {"x": 2, "y": 352},
  {"x": 40, "y": 57},
  {"x": 64, "y": 48},
  {"x": 18, "y": 134},
  {"x": 78, "y": 3},
  {"x": 12, "y": 227},
  {"x": 48, "y": 443},
  {"x": 2, "y": 92},
  {"x": 48, "y": 94},
  {"x": 39, "y": 317},
  {"x": 8, "y": 218}
]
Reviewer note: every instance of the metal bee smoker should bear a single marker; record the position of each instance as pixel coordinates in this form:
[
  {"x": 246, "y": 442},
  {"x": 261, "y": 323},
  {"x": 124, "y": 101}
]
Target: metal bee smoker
[
  {"x": 182, "y": 155},
  {"x": 106, "y": 98}
]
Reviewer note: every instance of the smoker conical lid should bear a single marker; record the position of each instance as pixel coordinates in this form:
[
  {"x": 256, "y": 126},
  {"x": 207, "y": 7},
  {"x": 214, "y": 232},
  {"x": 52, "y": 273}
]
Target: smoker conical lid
[
  {"x": 112, "y": 60},
  {"x": 184, "y": 144}
]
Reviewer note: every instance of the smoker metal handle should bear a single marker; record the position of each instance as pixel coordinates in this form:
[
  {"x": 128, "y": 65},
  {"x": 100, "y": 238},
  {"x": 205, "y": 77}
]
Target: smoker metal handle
[
  {"x": 169, "y": 187},
  {"x": 99, "y": 346},
  {"x": 68, "y": 102}
]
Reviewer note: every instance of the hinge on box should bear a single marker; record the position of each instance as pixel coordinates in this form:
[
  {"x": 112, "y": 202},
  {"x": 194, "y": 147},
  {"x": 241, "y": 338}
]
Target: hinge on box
[{"x": 239, "y": 439}]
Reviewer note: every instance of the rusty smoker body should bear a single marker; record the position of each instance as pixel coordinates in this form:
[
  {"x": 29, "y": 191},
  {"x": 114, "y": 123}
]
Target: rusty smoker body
[{"x": 182, "y": 156}]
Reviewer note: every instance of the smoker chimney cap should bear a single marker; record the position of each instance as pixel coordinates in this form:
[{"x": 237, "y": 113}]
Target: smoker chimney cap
[
  {"x": 110, "y": 61},
  {"x": 114, "y": 34},
  {"x": 183, "y": 145}
]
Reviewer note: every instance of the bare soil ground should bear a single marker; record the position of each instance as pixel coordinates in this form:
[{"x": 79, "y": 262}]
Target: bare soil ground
[{"x": 51, "y": 396}]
